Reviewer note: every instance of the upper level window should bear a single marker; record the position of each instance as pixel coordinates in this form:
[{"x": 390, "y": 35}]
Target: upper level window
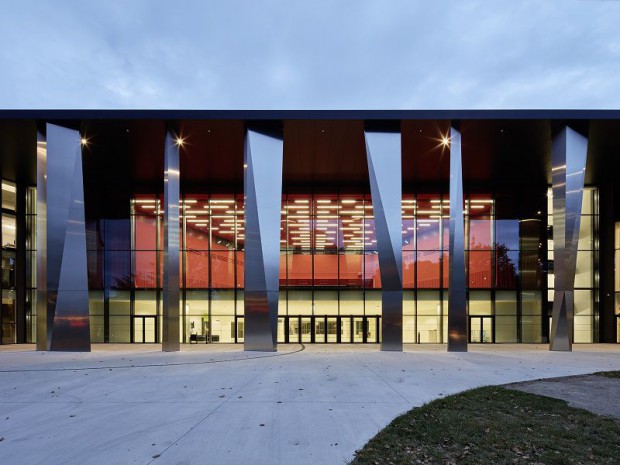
[{"x": 8, "y": 195}]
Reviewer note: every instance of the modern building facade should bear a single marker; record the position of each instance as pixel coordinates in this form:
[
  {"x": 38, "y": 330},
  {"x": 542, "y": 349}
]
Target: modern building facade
[{"x": 267, "y": 227}]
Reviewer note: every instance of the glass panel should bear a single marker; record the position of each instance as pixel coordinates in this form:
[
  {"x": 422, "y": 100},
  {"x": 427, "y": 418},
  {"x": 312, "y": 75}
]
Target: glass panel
[
  {"x": 120, "y": 314},
  {"x": 299, "y": 266},
  {"x": 585, "y": 233},
  {"x": 9, "y": 192},
  {"x": 146, "y": 232},
  {"x": 145, "y": 303},
  {"x": 332, "y": 330},
  {"x": 96, "y": 312},
  {"x": 351, "y": 302},
  {"x": 583, "y": 303},
  {"x": 223, "y": 268},
  {"x": 373, "y": 303},
  {"x": 222, "y": 316},
  {"x": 487, "y": 330},
  {"x": 319, "y": 330},
  {"x": 293, "y": 329},
  {"x": 408, "y": 269},
  {"x": 583, "y": 273},
  {"x": 586, "y": 202},
  {"x": 197, "y": 315},
  {"x": 326, "y": 269},
  {"x": 351, "y": 222},
  {"x": 530, "y": 270},
  {"x": 8, "y": 231},
  {"x": 299, "y": 302},
  {"x": 358, "y": 329},
  {"x": 306, "y": 329},
  {"x": 507, "y": 268},
  {"x": 8, "y": 334},
  {"x": 428, "y": 269},
  {"x": 351, "y": 269},
  {"x": 409, "y": 323},
  {"x": 372, "y": 276},
  {"x": 197, "y": 275},
  {"x": 582, "y": 329},
  {"x": 480, "y": 303},
  {"x": 480, "y": 232},
  {"x": 118, "y": 269},
  {"x": 531, "y": 319},
  {"x": 505, "y": 316},
  {"x": 507, "y": 234},
  {"x": 8, "y": 268},
  {"x": 145, "y": 274},
  {"x": 371, "y": 328},
  {"x": 326, "y": 302},
  {"x": 240, "y": 269},
  {"x": 429, "y": 316},
  {"x": 480, "y": 266}
]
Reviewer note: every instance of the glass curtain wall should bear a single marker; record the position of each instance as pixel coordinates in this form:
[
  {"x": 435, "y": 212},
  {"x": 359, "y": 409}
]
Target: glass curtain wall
[
  {"x": 8, "y": 334},
  {"x": 329, "y": 271}
]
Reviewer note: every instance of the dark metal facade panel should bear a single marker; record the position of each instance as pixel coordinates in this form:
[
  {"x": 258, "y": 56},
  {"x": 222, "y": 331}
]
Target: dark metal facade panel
[
  {"x": 569, "y": 155},
  {"x": 457, "y": 304},
  {"x": 263, "y": 204},
  {"x": 171, "y": 289},
  {"x": 68, "y": 321},
  {"x": 383, "y": 151}
]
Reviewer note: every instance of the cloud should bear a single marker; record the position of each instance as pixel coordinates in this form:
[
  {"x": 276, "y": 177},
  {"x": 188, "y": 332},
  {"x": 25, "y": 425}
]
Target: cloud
[{"x": 320, "y": 54}]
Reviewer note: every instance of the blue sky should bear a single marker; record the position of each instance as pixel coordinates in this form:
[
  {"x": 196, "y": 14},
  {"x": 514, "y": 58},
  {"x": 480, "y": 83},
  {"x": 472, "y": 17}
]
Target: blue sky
[{"x": 310, "y": 54}]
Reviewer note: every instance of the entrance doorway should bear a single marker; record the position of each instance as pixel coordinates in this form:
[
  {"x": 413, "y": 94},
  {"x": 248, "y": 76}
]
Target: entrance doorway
[
  {"x": 145, "y": 329},
  {"x": 324, "y": 329},
  {"x": 481, "y": 329}
]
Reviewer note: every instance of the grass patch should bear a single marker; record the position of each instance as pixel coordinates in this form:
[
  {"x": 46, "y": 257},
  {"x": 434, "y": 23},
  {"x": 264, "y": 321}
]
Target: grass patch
[
  {"x": 495, "y": 425},
  {"x": 609, "y": 374}
]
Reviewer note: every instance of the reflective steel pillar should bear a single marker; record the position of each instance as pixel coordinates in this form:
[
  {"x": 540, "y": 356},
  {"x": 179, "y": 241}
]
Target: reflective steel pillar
[
  {"x": 171, "y": 295},
  {"x": 569, "y": 153},
  {"x": 41, "y": 231},
  {"x": 384, "y": 166},
  {"x": 457, "y": 304},
  {"x": 62, "y": 234},
  {"x": 263, "y": 204}
]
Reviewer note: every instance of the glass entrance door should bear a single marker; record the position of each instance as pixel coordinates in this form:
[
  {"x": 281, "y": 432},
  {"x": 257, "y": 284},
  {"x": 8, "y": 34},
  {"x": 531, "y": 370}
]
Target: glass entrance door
[
  {"x": 144, "y": 329},
  {"x": 481, "y": 329},
  {"x": 7, "y": 317}
]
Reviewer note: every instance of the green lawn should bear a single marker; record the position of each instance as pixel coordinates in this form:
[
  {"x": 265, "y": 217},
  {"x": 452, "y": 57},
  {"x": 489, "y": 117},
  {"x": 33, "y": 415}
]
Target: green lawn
[
  {"x": 495, "y": 425},
  {"x": 609, "y": 374}
]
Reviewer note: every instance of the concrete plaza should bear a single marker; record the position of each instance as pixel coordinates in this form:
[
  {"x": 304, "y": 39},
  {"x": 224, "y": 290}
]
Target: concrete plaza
[{"x": 215, "y": 404}]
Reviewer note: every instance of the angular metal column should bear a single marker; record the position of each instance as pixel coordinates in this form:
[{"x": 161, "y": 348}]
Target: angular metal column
[
  {"x": 41, "y": 239},
  {"x": 263, "y": 204},
  {"x": 569, "y": 153},
  {"x": 384, "y": 166},
  {"x": 457, "y": 304},
  {"x": 171, "y": 295},
  {"x": 61, "y": 202}
]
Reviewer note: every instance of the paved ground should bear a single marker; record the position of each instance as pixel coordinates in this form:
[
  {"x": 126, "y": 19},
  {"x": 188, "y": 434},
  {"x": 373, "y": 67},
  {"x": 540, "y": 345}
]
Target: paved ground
[
  {"x": 598, "y": 394},
  {"x": 216, "y": 404}
]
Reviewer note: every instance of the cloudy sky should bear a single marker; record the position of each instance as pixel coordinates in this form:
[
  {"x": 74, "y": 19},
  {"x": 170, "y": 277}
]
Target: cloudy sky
[{"x": 288, "y": 54}]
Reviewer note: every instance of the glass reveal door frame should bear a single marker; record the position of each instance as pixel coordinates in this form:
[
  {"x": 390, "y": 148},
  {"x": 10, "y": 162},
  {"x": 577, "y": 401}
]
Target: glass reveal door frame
[
  {"x": 481, "y": 329},
  {"x": 140, "y": 322}
]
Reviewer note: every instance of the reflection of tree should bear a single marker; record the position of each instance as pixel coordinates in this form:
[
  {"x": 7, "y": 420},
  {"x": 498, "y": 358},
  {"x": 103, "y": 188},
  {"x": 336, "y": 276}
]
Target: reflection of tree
[
  {"x": 506, "y": 269},
  {"x": 480, "y": 265}
]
